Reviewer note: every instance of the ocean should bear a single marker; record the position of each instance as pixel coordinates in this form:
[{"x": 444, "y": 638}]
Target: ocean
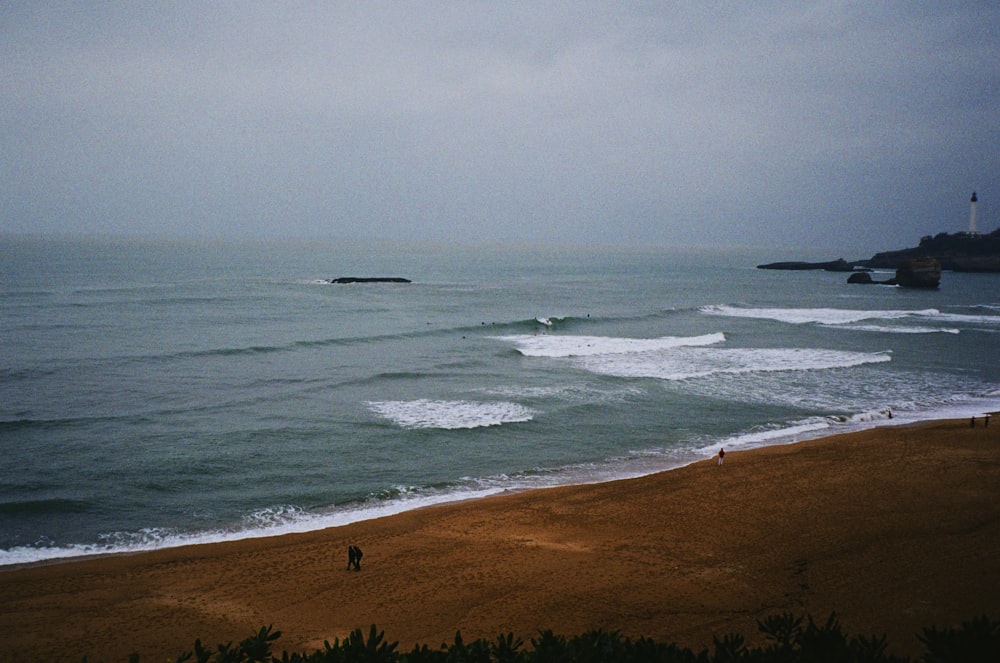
[{"x": 156, "y": 393}]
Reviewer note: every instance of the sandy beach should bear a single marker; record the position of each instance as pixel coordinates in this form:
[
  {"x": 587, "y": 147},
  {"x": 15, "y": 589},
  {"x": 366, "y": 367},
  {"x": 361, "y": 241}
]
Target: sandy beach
[{"x": 894, "y": 528}]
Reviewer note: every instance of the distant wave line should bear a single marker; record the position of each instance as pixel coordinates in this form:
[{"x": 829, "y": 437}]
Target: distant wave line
[
  {"x": 902, "y": 330},
  {"x": 700, "y": 362},
  {"x": 583, "y": 346},
  {"x": 250, "y": 350},
  {"x": 827, "y": 316},
  {"x": 835, "y": 317}
]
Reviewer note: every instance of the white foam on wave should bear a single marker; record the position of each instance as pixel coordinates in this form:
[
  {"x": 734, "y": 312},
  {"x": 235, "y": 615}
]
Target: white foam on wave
[
  {"x": 580, "y": 392},
  {"x": 825, "y": 316},
  {"x": 682, "y": 358},
  {"x": 846, "y": 318},
  {"x": 958, "y": 407},
  {"x": 764, "y": 436},
  {"x": 960, "y": 318},
  {"x": 289, "y": 519},
  {"x": 905, "y": 330},
  {"x": 267, "y": 522},
  {"x": 582, "y": 346},
  {"x": 839, "y": 392},
  {"x": 687, "y": 363},
  {"x": 424, "y": 413}
]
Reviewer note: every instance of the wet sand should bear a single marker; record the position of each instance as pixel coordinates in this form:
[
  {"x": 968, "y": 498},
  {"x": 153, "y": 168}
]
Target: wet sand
[{"x": 895, "y": 529}]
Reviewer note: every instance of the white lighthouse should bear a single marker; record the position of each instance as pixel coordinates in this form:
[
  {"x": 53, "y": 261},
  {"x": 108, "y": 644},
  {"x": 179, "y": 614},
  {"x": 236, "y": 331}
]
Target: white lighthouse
[{"x": 972, "y": 215}]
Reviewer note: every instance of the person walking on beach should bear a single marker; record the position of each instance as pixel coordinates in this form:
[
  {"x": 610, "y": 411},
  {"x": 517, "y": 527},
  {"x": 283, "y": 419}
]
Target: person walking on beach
[
  {"x": 352, "y": 560},
  {"x": 986, "y": 420},
  {"x": 722, "y": 454},
  {"x": 357, "y": 558}
]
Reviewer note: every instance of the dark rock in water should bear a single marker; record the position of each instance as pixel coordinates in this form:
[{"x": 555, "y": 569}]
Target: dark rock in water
[
  {"x": 866, "y": 278},
  {"x": 916, "y": 273},
  {"x": 839, "y": 265},
  {"x": 919, "y": 273},
  {"x": 369, "y": 279}
]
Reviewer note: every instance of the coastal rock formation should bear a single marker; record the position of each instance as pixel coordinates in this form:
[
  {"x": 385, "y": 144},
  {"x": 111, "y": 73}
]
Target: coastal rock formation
[
  {"x": 916, "y": 273},
  {"x": 369, "y": 279},
  {"x": 918, "y": 267},
  {"x": 960, "y": 252},
  {"x": 919, "y": 273},
  {"x": 860, "y": 277},
  {"x": 839, "y": 265}
]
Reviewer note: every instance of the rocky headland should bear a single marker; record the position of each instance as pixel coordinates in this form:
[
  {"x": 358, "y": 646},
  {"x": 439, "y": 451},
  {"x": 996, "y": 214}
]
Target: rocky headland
[
  {"x": 961, "y": 252},
  {"x": 920, "y": 266}
]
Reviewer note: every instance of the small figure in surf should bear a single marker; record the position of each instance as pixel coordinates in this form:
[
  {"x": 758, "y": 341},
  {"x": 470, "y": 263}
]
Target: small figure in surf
[{"x": 722, "y": 454}]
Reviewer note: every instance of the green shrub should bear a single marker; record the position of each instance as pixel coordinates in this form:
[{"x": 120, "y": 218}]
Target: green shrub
[
  {"x": 788, "y": 639},
  {"x": 977, "y": 641}
]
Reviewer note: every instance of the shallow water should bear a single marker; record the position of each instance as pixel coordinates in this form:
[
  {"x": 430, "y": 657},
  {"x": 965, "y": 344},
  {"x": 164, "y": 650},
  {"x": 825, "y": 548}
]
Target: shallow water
[{"x": 153, "y": 393}]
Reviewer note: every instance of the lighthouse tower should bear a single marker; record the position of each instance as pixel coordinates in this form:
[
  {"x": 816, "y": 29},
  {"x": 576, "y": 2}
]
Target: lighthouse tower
[{"x": 972, "y": 215}]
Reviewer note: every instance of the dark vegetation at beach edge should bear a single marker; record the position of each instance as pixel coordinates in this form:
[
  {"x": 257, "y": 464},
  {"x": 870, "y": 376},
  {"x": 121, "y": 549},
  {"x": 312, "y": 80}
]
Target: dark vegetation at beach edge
[{"x": 788, "y": 639}]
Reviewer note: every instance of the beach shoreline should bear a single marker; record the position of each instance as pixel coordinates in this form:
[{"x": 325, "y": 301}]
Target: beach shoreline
[
  {"x": 892, "y": 527},
  {"x": 346, "y": 514}
]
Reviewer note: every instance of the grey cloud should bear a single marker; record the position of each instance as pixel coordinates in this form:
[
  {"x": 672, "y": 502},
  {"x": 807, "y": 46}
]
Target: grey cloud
[{"x": 638, "y": 122}]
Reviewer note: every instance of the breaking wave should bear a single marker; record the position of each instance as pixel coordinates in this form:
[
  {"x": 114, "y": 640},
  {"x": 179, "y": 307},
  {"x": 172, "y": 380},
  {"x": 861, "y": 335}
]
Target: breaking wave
[
  {"x": 687, "y": 363},
  {"x": 682, "y": 358},
  {"x": 823, "y": 316},
  {"x": 450, "y": 415},
  {"x": 847, "y": 318},
  {"x": 582, "y": 346}
]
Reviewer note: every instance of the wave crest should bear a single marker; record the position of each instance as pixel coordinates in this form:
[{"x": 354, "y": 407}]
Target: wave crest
[
  {"x": 424, "y": 413},
  {"x": 691, "y": 363},
  {"x": 824, "y": 316},
  {"x": 583, "y": 346}
]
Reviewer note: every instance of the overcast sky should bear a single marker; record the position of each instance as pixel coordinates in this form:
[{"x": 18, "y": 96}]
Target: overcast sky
[{"x": 855, "y": 125}]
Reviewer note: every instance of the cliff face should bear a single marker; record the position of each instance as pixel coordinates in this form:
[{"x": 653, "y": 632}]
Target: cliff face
[{"x": 961, "y": 252}]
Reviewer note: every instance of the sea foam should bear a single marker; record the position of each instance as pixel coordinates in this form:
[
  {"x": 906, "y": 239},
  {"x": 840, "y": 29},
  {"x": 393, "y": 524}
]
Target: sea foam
[
  {"x": 824, "y": 316},
  {"x": 582, "y": 346},
  {"x": 681, "y": 358},
  {"x": 424, "y": 413},
  {"x": 846, "y": 318},
  {"x": 687, "y": 363}
]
